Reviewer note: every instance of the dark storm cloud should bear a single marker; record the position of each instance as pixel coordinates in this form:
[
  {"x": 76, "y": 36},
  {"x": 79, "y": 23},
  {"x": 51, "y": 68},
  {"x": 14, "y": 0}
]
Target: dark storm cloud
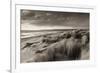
[{"x": 48, "y": 18}]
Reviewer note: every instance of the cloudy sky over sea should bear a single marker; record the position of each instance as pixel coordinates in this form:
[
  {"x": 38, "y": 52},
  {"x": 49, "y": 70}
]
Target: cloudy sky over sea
[{"x": 44, "y": 20}]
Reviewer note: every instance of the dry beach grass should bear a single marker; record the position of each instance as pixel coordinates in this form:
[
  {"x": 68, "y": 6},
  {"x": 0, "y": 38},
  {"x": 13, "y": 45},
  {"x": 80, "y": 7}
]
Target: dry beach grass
[{"x": 59, "y": 45}]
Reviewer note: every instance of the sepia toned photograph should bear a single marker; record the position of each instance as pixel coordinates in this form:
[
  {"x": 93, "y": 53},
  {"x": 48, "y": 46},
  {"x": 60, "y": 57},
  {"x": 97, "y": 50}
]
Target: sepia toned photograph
[{"x": 50, "y": 36}]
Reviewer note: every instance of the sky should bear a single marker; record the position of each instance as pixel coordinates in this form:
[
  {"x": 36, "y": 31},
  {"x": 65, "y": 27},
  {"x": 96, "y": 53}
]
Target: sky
[{"x": 44, "y": 20}]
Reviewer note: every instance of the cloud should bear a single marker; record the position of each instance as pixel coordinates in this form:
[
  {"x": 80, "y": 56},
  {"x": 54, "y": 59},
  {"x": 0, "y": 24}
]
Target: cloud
[{"x": 50, "y": 18}]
